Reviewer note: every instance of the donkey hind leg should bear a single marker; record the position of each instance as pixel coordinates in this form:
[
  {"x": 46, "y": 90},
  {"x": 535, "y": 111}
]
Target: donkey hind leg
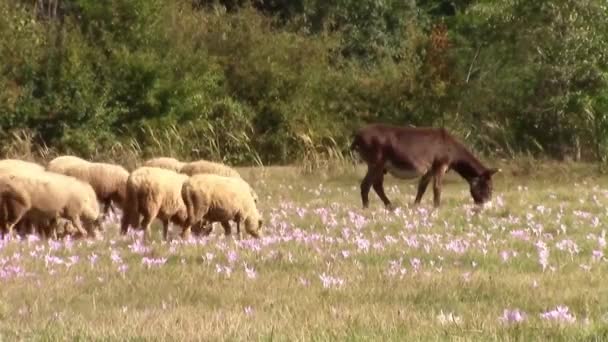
[
  {"x": 371, "y": 177},
  {"x": 422, "y": 185},
  {"x": 437, "y": 181},
  {"x": 379, "y": 189}
]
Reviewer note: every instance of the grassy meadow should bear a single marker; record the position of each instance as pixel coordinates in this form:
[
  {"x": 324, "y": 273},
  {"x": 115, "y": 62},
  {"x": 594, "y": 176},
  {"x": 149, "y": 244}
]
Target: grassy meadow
[{"x": 531, "y": 266}]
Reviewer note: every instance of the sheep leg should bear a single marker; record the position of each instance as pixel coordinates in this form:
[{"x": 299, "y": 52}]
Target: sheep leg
[
  {"x": 238, "y": 229},
  {"x": 44, "y": 231},
  {"x": 165, "y": 228},
  {"x": 195, "y": 228},
  {"x": 186, "y": 232},
  {"x": 206, "y": 228},
  {"x": 146, "y": 223},
  {"x": 78, "y": 224},
  {"x": 130, "y": 217},
  {"x": 227, "y": 228},
  {"x": 92, "y": 228},
  {"x": 50, "y": 228},
  {"x": 11, "y": 226}
]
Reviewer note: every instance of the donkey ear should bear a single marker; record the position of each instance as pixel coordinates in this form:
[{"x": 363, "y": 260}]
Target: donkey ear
[{"x": 491, "y": 172}]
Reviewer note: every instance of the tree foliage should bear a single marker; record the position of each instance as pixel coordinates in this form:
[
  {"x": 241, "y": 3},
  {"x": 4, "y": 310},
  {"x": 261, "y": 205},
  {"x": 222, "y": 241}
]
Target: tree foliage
[{"x": 264, "y": 80}]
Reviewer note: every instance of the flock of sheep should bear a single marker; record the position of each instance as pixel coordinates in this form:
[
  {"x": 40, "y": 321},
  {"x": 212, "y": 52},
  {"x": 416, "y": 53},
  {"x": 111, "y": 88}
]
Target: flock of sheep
[{"x": 194, "y": 195}]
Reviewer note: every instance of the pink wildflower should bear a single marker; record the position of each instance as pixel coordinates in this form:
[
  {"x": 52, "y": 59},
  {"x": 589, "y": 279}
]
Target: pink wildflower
[
  {"x": 560, "y": 314},
  {"x": 250, "y": 271},
  {"x": 149, "y": 262},
  {"x": 330, "y": 281},
  {"x": 512, "y": 316}
]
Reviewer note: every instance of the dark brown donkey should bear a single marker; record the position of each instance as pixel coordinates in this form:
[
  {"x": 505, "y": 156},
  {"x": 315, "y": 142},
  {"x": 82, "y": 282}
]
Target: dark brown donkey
[{"x": 408, "y": 153}]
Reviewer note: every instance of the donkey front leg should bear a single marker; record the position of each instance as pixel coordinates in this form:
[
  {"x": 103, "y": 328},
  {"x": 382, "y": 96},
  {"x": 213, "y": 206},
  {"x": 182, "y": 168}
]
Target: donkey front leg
[
  {"x": 438, "y": 178},
  {"x": 371, "y": 178},
  {"x": 424, "y": 182},
  {"x": 379, "y": 189}
]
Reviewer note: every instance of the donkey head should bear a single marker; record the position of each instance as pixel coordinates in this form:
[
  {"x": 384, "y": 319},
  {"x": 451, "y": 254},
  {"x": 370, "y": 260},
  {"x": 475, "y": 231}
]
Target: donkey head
[{"x": 481, "y": 186}]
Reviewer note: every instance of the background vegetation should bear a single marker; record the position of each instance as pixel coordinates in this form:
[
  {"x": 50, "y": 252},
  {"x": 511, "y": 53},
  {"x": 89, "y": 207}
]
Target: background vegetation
[{"x": 276, "y": 81}]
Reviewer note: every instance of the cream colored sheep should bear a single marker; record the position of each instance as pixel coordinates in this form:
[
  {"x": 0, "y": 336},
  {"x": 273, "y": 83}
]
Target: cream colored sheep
[
  {"x": 31, "y": 222},
  {"x": 209, "y": 167},
  {"x": 17, "y": 164},
  {"x": 213, "y": 198},
  {"x": 205, "y": 166},
  {"x": 154, "y": 193},
  {"x": 38, "y": 220},
  {"x": 108, "y": 180},
  {"x": 46, "y": 195},
  {"x": 165, "y": 163},
  {"x": 59, "y": 164}
]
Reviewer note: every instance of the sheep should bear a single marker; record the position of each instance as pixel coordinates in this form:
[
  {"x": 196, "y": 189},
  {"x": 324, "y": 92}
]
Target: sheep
[
  {"x": 165, "y": 163},
  {"x": 46, "y": 196},
  {"x": 10, "y": 166},
  {"x": 61, "y": 163},
  {"x": 108, "y": 180},
  {"x": 209, "y": 167},
  {"x": 40, "y": 219},
  {"x": 17, "y": 164},
  {"x": 154, "y": 193},
  {"x": 205, "y": 166},
  {"x": 212, "y": 198}
]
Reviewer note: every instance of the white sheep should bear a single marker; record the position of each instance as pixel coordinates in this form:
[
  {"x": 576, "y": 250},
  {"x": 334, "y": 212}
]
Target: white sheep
[
  {"x": 59, "y": 164},
  {"x": 108, "y": 180},
  {"x": 212, "y": 198},
  {"x": 154, "y": 193},
  {"x": 17, "y": 164},
  {"x": 9, "y": 166},
  {"x": 165, "y": 163},
  {"x": 209, "y": 167},
  {"x": 205, "y": 166},
  {"x": 46, "y": 196}
]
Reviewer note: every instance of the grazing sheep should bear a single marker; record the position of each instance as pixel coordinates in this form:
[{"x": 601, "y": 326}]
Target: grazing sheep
[
  {"x": 165, "y": 163},
  {"x": 154, "y": 193},
  {"x": 46, "y": 196},
  {"x": 205, "y": 166},
  {"x": 108, "y": 180},
  {"x": 17, "y": 164},
  {"x": 209, "y": 167},
  {"x": 59, "y": 164},
  {"x": 214, "y": 198}
]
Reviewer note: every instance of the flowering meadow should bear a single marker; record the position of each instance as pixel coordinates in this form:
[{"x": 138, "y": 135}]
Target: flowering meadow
[{"x": 530, "y": 266}]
